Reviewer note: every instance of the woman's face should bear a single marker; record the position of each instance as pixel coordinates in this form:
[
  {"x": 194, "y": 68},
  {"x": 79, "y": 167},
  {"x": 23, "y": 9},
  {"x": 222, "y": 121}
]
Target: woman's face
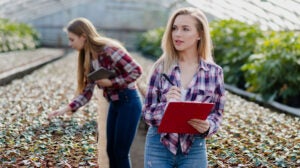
[
  {"x": 76, "y": 42},
  {"x": 184, "y": 33}
]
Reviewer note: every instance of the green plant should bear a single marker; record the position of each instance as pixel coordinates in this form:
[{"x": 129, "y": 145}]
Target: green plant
[
  {"x": 29, "y": 34},
  {"x": 234, "y": 42},
  {"x": 149, "y": 42},
  {"x": 273, "y": 70},
  {"x": 17, "y": 36}
]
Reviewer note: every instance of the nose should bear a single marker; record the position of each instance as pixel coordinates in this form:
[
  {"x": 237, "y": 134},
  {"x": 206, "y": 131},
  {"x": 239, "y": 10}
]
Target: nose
[{"x": 177, "y": 32}]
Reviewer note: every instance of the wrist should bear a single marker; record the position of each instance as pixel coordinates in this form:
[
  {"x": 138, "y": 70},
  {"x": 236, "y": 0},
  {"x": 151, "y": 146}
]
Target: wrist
[
  {"x": 207, "y": 131},
  {"x": 204, "y": 134},
  {"x": 67, "y": 109}
]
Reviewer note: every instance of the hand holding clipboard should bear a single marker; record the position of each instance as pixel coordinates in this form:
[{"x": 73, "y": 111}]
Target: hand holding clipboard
[{"x": 177, "y": 115}]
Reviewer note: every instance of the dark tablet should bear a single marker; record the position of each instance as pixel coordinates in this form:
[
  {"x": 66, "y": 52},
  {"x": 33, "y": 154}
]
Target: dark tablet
[{"x": 101, "y": 74}]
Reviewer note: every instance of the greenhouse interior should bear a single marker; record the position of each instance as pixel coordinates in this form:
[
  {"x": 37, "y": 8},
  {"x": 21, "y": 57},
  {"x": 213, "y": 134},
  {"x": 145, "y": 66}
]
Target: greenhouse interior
[{"x": 256, "y": 43}]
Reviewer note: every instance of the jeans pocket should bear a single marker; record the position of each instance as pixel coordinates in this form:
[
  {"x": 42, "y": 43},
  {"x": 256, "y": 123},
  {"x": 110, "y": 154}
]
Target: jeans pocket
[
  {"x": 200, "y": 142},
  {"x": 152, "y": 131},
  {"x": 128, "y": 95}
]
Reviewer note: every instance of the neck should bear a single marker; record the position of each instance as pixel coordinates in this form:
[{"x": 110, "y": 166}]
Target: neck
[{"x": 190, "y": 56}]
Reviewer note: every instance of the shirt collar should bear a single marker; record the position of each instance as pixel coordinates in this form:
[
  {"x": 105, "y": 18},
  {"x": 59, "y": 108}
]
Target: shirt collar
[{"x": 203, "y": 65}]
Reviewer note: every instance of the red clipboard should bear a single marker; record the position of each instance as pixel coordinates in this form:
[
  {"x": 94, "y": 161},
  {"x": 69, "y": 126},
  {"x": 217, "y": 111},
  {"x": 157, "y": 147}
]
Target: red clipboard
[{"x": 177, "y": 115}]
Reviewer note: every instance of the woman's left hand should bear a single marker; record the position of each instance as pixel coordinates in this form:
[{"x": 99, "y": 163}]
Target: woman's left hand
[
  {"x": 62, "y": 111},
  {"x": 104, "y": 82},
  {"x": 200, "y": 125}
]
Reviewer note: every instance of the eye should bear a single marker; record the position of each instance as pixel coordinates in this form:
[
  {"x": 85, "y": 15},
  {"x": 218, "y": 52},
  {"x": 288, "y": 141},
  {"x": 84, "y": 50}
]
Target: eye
[
  {"x": 186, "y": 29},
  {"x": 174, "y": 27}
]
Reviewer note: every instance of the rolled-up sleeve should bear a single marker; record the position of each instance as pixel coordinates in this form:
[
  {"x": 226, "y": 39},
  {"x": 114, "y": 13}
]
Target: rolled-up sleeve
[
  {"x": 215, "y": 117},
  {"x": 154, "y": 105},
  {"x": 82, "y": 98}
]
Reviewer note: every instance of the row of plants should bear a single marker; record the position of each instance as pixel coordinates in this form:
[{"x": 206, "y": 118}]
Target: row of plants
[
  {"x": 28, "y": 138},
  {"x": 17, "y": 36},
  {"x": 23, "y": 57},
  {"x": 254, "y": 137},
  {"x": 262, "y": 62}
]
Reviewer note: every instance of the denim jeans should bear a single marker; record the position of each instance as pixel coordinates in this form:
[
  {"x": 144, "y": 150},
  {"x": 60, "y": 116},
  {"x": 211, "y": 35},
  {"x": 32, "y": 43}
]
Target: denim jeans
[
  {"x": 122, "y": 121},
  {"x": 158, "y": 156}
]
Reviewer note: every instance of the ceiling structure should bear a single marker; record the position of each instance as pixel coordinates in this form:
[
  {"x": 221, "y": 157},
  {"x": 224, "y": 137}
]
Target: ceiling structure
[
  {"x": 269, "y": 14},
  {"x": 26, "y": 10},
  {"x": 279, "y": 15}
]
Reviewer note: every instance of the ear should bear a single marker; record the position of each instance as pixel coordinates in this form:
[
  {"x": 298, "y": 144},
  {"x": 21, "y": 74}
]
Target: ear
[
  {"x": 83, "y": 36},
  {"x": 200, "y": 35}
]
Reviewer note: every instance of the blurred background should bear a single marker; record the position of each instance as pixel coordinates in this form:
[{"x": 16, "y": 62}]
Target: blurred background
[
  {"x": 123, "y": 19},
  {"x": 256, "y": 42}
]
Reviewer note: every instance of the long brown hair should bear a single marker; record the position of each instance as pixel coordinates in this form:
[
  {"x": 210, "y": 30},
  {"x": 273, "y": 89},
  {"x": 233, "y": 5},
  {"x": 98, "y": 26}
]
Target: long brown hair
[
  {"x": 94, "y": 43},
  {"x": 204, "y": 46}
]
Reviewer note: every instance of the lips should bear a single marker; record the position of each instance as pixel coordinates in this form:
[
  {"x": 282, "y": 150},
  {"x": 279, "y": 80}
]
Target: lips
[{"x": 178, "y": 42}]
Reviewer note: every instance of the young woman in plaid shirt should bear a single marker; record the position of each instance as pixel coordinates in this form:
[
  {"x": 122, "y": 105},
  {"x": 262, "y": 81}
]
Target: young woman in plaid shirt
[
  {"x": 125, "y": 107},
  {"x": 187, "y": 61}
]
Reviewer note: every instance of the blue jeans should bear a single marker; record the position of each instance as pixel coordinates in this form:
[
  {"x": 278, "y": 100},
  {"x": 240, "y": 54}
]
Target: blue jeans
[
  {"x": 158, "y": 156},
  {"x": 122, "y": 121}
]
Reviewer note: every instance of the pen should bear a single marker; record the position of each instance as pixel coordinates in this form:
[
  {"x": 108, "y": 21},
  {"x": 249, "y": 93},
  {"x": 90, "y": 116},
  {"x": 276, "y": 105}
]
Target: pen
[{"x": 167, "y": 78}]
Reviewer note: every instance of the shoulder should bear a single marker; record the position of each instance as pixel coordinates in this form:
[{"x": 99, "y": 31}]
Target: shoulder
[
  {"x": 109, "y": 50},
  {"x": 116, "y": 53},
  {"x": 158, "y": 66},
  {"x": 211, "y": 66}
]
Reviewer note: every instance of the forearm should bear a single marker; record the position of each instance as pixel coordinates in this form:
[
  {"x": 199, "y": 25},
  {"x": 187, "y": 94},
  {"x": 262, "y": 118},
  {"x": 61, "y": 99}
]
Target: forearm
[
  {"x": 82, "y": 98},
  {"x": 214, "y": 120},
  {"x": 126, "y": 78}
]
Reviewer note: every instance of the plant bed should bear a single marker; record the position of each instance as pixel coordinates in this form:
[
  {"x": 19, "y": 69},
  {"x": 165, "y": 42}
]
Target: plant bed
[
  {"x": 257, "y": 98},
  {"x": 17, "y": 64},
  {"x": 250, "y": 135}
]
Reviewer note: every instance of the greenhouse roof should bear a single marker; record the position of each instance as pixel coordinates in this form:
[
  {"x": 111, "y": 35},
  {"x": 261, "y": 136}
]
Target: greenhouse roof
[
  {"x": 269, "y": 14},
  {"x": 24, "y": 10}
]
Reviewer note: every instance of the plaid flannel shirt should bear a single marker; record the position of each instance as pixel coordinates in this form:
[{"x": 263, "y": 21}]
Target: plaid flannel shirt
[
  {"x": 207, "y": 85},
  {"x": 126, "y": 69}
]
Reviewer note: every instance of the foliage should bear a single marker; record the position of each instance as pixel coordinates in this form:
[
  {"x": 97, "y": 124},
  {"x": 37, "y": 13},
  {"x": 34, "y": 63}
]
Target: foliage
[
  {"x": 149, "y": 42},
  {"x": 273, "y": 70},
  {"x": 17, "y": 36},
  {"x": 20, "y": 58},
  {"x": 250, "y": 135},
  {"x": 234, "y": 42},
  {"x": 253, "y": 136},
  {"x": 28, "y": 138}
]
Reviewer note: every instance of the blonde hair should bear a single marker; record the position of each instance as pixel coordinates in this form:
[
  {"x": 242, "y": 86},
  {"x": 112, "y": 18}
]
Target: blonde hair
[
  {"x": 94, "y": 43},
  {"x": 204, "y": 45}
]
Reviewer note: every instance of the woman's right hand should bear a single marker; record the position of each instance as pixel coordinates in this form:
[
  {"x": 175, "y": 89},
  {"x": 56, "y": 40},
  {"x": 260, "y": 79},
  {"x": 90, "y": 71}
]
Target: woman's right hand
[
  {"x": 59, "y": 112},
  {"x": 174, "y": 94}
]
